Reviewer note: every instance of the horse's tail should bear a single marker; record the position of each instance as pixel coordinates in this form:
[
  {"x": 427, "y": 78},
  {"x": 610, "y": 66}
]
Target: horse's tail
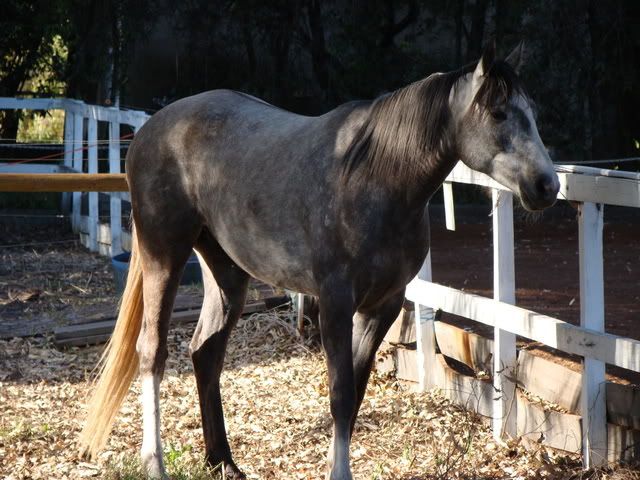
[{"x": 119, "y": 362}]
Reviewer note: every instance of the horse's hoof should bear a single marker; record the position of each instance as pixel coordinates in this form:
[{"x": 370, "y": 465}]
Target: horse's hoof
[
  {"x": 232, "y": 472},
  {"x": 154, "y": 468}
]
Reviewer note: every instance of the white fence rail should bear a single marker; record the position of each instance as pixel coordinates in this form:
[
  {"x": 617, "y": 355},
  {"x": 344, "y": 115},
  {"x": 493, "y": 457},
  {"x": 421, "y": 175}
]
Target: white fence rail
[
  {"x": 592, "y": 188},
  {"x": 81, "y": 122}
]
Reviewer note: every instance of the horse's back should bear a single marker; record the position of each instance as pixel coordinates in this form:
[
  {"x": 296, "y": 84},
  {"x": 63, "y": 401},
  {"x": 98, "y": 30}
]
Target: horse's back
[{"x": 261, "y": 179}]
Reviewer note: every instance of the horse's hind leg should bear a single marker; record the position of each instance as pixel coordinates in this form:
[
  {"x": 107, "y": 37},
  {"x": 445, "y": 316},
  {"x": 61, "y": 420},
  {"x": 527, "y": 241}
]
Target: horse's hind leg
[
  {"x": 162, "y": 265},
  {"x": 225, "y": 287},
  {"x": 369, "y": 330}
]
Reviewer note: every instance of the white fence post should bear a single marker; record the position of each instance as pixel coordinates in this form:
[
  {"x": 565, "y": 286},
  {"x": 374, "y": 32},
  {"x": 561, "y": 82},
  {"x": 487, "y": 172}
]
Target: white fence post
[
  {"x": 92, "y": 143},
  {"x": 425, "y": 336},
  {"x": 593, "y": 402},
  {"x": 78, "y": 134},
  {"x": 449, "y": 205},
  {"x": 68, "y": 154},
  {"x": 115, "y": 209},
  {"x": 504, "y": 355}
]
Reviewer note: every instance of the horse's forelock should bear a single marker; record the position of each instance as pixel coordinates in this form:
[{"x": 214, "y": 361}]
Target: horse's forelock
[{"x": 501, "y": 82}]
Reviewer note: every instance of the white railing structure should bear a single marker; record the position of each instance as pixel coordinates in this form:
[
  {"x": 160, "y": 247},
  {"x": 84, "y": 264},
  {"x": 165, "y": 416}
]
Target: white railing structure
[
  {"x": 80, "y": 136},
  {"x": 591, "y": 188}
]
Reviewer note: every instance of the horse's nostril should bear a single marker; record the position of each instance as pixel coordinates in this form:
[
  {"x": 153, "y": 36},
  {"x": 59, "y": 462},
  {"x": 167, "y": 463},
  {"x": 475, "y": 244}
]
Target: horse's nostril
[{"x": 545, "y": 185}]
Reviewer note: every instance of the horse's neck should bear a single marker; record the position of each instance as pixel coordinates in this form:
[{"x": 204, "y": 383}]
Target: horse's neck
[{"x": 412, "y": 167}]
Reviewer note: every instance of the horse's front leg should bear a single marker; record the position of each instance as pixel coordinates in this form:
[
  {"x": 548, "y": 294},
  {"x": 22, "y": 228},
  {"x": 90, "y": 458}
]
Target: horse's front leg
[{"x": 336, "y": 312}]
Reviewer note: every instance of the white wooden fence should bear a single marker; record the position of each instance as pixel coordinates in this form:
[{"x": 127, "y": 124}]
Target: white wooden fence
[
  {"x": 591, "y": 188},
  {"x": 81, "y": 145}
]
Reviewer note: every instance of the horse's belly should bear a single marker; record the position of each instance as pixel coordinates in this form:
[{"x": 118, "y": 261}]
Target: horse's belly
[{"x": 282, "y": 259}]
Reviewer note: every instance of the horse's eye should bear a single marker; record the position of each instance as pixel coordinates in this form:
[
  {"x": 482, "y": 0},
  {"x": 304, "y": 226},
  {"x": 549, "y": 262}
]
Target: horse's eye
[{"x": 499, "y": 115}]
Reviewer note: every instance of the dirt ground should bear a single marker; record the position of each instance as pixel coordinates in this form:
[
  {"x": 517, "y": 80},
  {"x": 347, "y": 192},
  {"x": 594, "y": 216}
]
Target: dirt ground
[{"x": 275, "y": 386}]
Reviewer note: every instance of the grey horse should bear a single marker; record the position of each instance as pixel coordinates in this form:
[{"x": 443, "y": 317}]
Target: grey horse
[{"x": 215, "y": 172}]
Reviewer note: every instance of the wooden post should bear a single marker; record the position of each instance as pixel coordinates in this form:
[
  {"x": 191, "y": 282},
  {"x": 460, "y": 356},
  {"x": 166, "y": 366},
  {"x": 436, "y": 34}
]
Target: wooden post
[
  {"x": 115, "y": 207},
  {"x": 78, "y": 134},
  {"x": 301, "y": 313},
  {"x": 92, "y": 141},
  {"x": 68, "y": 155},
  {"x": 593, "y": 401},
  {"x": 426, "y": 336},
  {"x": 449, "y": 208},
  {"x": 504, "y": 358}
]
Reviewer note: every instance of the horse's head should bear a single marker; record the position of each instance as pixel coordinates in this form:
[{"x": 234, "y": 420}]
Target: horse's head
[{"x": 496, "y": 131}]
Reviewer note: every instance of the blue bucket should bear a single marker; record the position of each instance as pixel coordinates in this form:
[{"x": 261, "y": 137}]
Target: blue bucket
[{"x": 120, "y": 264}]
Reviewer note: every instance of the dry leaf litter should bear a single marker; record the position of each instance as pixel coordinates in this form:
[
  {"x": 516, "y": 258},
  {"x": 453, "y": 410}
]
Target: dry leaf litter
[{"x": 275, "y": 396}]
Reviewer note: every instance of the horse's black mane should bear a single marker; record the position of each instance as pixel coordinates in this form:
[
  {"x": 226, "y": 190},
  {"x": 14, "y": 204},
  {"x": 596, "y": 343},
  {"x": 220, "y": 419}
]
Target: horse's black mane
[{"x": 408, "y": 130}]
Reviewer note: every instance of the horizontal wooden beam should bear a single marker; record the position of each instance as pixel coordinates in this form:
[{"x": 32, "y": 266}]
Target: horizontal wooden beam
[{"x": 63, "y": 182}]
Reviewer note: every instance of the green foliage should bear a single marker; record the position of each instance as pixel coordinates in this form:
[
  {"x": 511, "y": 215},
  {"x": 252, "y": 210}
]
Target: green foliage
[
  {"x": 41, "y": 126},
  {"x": 180, "y": 464},
  {"x": 31, "y": 47}
]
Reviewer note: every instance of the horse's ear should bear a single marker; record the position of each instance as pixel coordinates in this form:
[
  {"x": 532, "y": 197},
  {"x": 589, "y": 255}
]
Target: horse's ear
[
  {"x": 516, "y": 57},
  {"x": 487, "y": 59}
]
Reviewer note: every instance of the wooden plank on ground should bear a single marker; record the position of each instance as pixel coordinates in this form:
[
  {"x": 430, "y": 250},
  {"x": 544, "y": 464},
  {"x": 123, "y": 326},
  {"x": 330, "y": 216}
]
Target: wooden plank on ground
[
  {"x": 623, "y": 405},
  {"x": 473, "y": 350},
  {"x": 98, "y": 332},
  {"x": 554, "y": 429},
  {"x": 472, "y": 393},
  {"x": 403, "y": 330},
  {"x": 63, "y": 182},
  {"x": 550, "y": 381},
  {"x": 623, "y": 444}
]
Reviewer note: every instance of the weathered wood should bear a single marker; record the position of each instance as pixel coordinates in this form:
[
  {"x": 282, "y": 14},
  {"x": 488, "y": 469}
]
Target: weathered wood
[
  {"x": 473, "y": 350},
  {"x": 406, "y": 364},
  {"x": 550, "y": 381},
  {"x": 403, "y": 330},
  {"x": 623, "y": 444},
  {"x": 554, "y": 429},
  {"x": 593, "y": 399},
  {"x": 63, "y": 182},
  {"x": 623, "y": 405},
  {"x": 472, "y": 393},
  {"x": 615, "y": 350}
]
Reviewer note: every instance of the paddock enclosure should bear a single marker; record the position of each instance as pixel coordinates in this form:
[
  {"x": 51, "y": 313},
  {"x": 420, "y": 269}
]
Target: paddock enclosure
[{"x": 549, "y": 375}]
